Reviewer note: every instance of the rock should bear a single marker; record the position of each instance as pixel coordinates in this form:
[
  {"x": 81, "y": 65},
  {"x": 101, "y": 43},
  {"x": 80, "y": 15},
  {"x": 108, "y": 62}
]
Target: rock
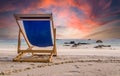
[
  {"x": 106, "y": 45},
  {"x": 79, "y": 43},
  {"x": 74, "y": 45},
  {"x": 72, "y": 42},
  {"x": 66, "y": 43},
  {"x": 82, "y": 43},
  {"x": 99, "y": 41},
  {"x": 89, "y": 39},
  {"x": 99, "y": 46}
]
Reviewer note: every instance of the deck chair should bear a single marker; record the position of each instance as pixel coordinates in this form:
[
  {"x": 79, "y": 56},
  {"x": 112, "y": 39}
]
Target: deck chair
[{"x": 38, "y": 31}]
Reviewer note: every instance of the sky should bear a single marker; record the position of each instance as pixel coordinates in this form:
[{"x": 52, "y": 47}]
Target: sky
[{"x": 97, "y": 19}]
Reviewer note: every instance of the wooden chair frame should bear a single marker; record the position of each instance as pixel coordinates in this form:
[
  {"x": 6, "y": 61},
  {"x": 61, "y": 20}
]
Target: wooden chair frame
[{"x": 29, "y": 49}]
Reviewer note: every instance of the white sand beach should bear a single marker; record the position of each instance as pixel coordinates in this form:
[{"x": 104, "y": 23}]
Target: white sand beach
[{"x": 69, "y": 62}]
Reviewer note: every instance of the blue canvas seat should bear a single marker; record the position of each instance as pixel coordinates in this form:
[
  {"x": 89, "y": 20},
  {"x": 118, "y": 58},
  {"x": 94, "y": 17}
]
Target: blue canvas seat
[
  {"x": 37, "y": 30},
  {"x": 38, "y": 33}
]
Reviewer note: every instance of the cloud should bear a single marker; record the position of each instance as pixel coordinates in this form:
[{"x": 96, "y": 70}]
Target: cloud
[
  {"x": 107, "y": 31},
  {"x": 82, "y": 15},
  {"x": 68, "y": 32},
  {"x": 7, "y": 21}
]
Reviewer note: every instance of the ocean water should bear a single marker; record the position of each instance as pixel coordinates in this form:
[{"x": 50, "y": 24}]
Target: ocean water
[
  {"x": 112, "y": 42},
  {"x": 12, "y": 43}
]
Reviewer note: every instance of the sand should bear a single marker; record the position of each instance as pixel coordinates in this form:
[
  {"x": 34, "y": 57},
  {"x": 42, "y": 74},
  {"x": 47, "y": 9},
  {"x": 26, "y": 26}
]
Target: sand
[
  {"x": 75, "y": 69},
  {"x": 69, "y": 62}
]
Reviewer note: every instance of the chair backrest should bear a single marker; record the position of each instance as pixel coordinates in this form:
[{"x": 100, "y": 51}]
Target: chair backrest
[{"x": 38, "y": 28}]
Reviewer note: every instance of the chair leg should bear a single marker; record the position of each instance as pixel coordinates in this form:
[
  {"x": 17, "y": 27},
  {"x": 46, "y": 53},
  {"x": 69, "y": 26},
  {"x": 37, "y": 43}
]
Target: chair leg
[
  {"x": 50, "y": 57},
  {"x": 55, "y": 52},
  {"x": 32, "y": 54},
  {"x": 17, "y": 58}
]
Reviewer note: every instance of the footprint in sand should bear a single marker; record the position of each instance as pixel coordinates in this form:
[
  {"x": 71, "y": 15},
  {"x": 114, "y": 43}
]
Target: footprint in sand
[
  {"x": 32, "y": 64},
  {"x": 76, "y": 66},
  {"x": 28, "y": 68},
  {"x": 90, "y": 64},
  {"x": 72, "y": 73}
]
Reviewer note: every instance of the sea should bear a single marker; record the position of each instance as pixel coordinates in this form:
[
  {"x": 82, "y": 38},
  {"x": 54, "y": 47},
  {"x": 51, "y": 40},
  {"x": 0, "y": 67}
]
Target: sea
[{"x": 8, "y": 44}]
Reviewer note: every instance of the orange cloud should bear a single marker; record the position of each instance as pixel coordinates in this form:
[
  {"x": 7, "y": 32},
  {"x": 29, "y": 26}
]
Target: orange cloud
[
  {"x": 83, "y": 25},
  {"x": 64, "y": 15}
]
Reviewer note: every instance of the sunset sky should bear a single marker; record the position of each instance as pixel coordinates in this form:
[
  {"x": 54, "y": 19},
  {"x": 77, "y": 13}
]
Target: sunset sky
[{"x": 72, "y": 18}]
